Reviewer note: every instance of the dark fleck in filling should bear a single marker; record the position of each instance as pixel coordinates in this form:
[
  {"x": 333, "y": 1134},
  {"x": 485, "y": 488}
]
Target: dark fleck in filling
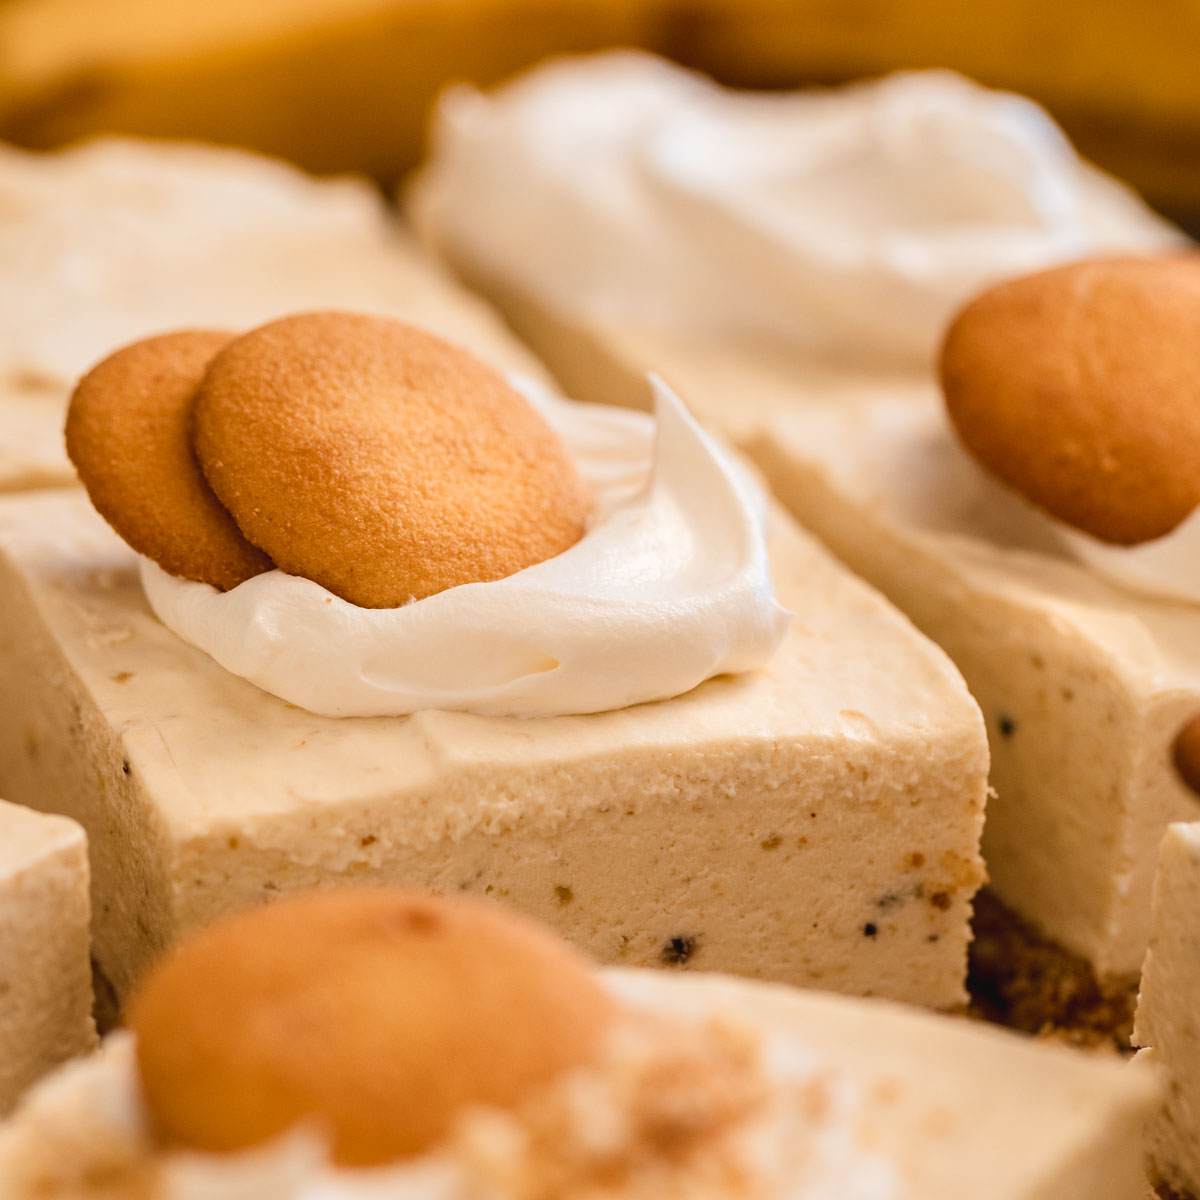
[
  {"x": 1007, "y": 726},
  {"x": 677, "y": 951},
  {"x": 870, "y": 929}
]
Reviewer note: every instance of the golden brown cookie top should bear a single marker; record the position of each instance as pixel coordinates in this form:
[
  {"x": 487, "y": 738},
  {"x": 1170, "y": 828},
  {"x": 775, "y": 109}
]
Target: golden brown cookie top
[
  {"x": 1080, "y": 387},
  {"x": 379, "y": 1013},
  {"x": 380, "y": 461},
  {"x": 128, "y": 434}
]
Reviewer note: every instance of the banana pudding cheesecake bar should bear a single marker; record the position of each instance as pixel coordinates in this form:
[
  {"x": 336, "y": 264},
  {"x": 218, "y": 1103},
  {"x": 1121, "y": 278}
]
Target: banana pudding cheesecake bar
[
  {"x": 389, "y": 1044},
  {"x": 370, "y": 611},
  {"x": 797, "y": 299},
  {"x": 45, "y": 971}
]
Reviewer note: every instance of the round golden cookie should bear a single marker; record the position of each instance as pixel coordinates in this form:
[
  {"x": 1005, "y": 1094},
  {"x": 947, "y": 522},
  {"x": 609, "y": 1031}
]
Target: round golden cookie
[
  {"x": 128, "y": 434},
  {"x": 378, "y": 1013},
  {"x": 381, "y": 461},
  {"x": 1080, "y": 387}
]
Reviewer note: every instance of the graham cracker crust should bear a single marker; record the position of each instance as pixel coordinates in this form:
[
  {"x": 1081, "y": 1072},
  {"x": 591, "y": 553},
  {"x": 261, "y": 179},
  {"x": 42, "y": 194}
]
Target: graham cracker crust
[{"x": 1018, "y": 978}]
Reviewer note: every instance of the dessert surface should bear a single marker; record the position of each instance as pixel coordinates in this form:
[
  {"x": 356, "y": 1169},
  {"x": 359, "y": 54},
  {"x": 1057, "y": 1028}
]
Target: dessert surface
[
  {"x": 96, "y": 240},
  {"x": 45, "y": 972}
]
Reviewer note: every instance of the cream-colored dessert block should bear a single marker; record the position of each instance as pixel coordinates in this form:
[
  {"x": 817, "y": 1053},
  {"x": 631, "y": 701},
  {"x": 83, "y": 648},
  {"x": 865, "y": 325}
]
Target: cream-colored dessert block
[
  {"x": 1083, "y": 684},
  {"x": 816, "y": 821},
  {"x": 114, "y": 240},
  {"x": 45, "y": 970},
  {"x": 1168, "y": 1018},
  {"x": 967, "y": 1110},
  {"x": 953, "y": 1108}
]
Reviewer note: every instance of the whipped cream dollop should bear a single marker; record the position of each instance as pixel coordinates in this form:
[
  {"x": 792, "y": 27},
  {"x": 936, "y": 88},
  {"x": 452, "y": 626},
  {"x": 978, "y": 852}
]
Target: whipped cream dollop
[
  {"x": 670, "y": 586},
  {"x": 849, "y": 221}
]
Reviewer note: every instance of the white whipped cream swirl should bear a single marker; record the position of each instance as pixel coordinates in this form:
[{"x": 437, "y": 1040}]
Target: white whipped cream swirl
[
  {"x": 851, "y": 221},
  {"x": 670, "y": 586}
]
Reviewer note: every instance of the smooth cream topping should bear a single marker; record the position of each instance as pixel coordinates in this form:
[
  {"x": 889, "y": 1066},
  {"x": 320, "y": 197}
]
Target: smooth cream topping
[
  {"x": 670, "y": 586},
  {"x": 852, "y": 221}
]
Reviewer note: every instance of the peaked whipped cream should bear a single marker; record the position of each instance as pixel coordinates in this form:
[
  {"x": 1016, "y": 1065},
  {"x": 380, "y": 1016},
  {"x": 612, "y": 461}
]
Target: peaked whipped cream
[
  {"x": 844, "y": 222},
  {"x": 670, "y": 586}
]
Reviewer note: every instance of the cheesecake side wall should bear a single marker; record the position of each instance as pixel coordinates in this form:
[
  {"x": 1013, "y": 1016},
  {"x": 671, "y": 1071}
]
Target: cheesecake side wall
[
  {"x": 58, "y": 753},
  {"x": 797, "y": 863},
  {"x": 45, "y": 973}
]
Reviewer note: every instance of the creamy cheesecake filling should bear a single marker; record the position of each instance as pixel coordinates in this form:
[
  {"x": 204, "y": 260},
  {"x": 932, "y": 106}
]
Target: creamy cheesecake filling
[
  {"x": 670, "y": 586},
  {"x": 97, "y": 238},
  {"x": 114, "y": 239},
  {"x": 45, "y": 981},
  {"x": 673, "y": 1108},
  {"x": 850, "y": 222},
  {"x": 1085, "y": 682}
]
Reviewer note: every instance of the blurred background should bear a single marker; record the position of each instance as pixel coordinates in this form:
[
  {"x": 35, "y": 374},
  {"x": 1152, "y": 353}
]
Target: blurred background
[{"x": 341, "y": 85}]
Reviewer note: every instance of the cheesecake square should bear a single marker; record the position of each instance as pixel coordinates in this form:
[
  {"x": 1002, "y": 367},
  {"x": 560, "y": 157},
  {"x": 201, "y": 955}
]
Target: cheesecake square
[
  {"x": 1084, "y": 684},
  {"x": 45, "y": 971},
  {"x": 795, "y": 297},
  {"x": 815, "y": 822}
]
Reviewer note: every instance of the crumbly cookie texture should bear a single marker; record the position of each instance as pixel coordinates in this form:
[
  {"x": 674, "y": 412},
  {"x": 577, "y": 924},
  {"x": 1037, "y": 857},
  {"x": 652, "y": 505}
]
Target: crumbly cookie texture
[
  {"x": 381, "y": 461},
  {"x": 379, "y": 1012},
  {"x": 1020, "y": 979},
  {"x": 129, "y": 436},
  {"x": 1080, "y": 387}
]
